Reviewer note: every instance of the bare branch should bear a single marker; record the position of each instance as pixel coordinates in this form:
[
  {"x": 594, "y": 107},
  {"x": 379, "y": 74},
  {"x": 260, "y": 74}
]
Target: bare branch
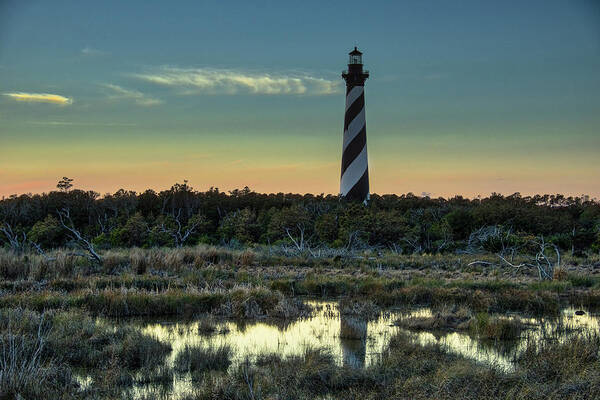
[
  {"x": 542, "y": 262},
  {"x": 67, "y": 223},
  {"x": 480, "y": 262},
  {"x": 17, "y": 243},
  {"x": 417, "y": 248},
  {"x": 41, "y": 252},
  {"x": 179, "y": 238},
  {"x": 298, "y": 246}
]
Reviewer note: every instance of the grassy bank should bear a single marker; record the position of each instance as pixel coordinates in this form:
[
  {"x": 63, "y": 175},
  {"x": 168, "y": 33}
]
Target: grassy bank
[
  {"x": 63, "y": 263},
  {"x": 127, "y": 296},
  {"x": 235, "y": 303},
  {"x": 260, "y": 301},
  {"x": 254, "y": 283}
]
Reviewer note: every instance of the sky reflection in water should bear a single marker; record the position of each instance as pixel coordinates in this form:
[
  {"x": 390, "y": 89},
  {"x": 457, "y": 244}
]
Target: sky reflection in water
[{"x": 351, "y": 341}]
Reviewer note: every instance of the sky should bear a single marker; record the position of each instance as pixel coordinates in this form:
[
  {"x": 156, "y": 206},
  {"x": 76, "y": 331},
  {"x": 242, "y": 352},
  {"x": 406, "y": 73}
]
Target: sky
[{"x": 464, "y": 98}]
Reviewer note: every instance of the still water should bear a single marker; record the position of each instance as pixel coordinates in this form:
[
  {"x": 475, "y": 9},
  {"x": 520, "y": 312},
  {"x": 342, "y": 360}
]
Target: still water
[{"x": 352, "y": 341}]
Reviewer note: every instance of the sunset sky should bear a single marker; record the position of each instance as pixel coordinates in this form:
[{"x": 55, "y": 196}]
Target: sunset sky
[{"x": 465, "y": 97}]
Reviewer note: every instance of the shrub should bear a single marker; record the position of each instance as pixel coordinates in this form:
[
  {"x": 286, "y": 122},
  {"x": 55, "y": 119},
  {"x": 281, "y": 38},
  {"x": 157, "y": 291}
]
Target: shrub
[{"x": 47, "y": 233}]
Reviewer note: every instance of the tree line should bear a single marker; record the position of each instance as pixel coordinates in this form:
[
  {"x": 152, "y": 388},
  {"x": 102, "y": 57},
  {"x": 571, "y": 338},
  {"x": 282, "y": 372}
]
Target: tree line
[{"x": 405, "y": 223}]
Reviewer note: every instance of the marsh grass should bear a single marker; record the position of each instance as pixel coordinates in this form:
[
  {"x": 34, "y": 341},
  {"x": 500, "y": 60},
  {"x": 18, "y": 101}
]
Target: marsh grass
[
  {"x": 160, "y": 374},
  {"x": 497, "y": 328},
  {"x": 26, "y": 369},
  {"x": 239, "y": 302},
  {"x": 77, "y": 340},
  {"x": 366, "y": 309},
  {"x": 576, "y": 357},
  {"x": 198, "y": 359},
  {"x": 444, "y": 319},
  {"x": 198, "y": 279},
  {"x": 408, "y": 370},
  {"x": 584, "y": 281},
  {"x": 38, "y": 351},
  {"x": 13, "y": 266},
  {"x": 143, "y": 295},
  {"x": 312, "y": 374},
  {"x": 481, "y": 324},
  {"x": 61, "y": 263},
  {"x": 21, "y": 368},
  {"x": 206, "y": 326},
  {"x": 257, "y": 283}
]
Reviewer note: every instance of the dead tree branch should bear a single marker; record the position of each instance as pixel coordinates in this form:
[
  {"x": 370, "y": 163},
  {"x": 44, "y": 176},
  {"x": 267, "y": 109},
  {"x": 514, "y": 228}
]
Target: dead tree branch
[
  {"x": 41, "y": 252},
  {"x": 544, "y": 264},
  {"x": 300, "y": 242},
  {"x": 180, "y": 234},
  {"x": 541, "y": 261},
  {"x": 416, "y": 246},
  {"x": 65, "y": 219},
  {"x": 17, "y": 242}
]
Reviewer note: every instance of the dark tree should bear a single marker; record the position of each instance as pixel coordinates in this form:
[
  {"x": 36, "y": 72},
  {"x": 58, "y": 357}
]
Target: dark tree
[{"x": 65, "y": 184}]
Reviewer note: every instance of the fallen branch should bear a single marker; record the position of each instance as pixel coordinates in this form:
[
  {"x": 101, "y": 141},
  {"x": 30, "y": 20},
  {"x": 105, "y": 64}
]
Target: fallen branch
[
  {"x": 480, "y": 262},
  {"x": 42, "y": 252}
]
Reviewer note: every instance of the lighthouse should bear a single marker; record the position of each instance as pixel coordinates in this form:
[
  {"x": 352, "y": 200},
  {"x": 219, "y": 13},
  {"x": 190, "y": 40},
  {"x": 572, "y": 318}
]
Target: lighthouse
[{"x": 354, "y": 183}]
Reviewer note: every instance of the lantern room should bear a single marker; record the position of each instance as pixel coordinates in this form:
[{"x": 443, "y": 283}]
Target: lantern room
[{"x": 355, "y": 57}]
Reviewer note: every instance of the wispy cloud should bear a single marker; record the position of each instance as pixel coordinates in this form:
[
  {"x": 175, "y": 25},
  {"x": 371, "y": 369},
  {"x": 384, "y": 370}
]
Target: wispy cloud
[
  {"x": 119, "y": 92},
  {"x": 226, "y": 81},
  {"x": 40, "y": 98},
  {"x": 90, "y": 51}
]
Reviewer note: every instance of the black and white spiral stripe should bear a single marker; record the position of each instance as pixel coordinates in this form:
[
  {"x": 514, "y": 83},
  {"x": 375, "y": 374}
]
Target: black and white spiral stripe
[{"x": 355, "y": 172}]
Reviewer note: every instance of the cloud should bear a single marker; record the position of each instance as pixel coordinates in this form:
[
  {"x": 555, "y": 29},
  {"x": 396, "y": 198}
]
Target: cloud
[
  {"x": 226, "y": 81},
  {"x": 141, "y": 99},
  {"x": 40, "y": 98},
  {"x": 90, "y": 51}
]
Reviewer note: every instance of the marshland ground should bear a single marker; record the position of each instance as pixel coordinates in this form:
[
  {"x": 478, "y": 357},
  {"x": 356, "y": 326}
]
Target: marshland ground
[
  {"x": 148, "y": 296},
  {"x": 58, "y": 324}
]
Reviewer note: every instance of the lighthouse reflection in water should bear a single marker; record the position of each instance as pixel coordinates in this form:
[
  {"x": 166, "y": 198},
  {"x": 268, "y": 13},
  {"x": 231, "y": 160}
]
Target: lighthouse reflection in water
[{"x": 352, "y": 341}]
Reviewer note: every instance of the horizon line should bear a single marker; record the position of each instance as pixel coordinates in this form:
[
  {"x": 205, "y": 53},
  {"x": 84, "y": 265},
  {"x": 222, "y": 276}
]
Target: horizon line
[{"x": 423, "y": 195}]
